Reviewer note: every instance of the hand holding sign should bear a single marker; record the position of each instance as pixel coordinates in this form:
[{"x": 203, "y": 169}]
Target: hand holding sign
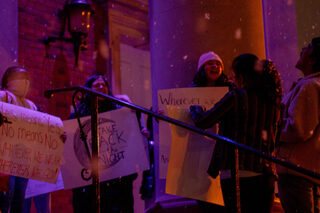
[{"x": 4, "y": 119}]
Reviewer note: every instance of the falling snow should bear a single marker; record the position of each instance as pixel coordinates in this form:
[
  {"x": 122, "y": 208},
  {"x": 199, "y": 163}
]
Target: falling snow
[
  {"x": 238, "y": 34},
  {"x": 207, "y": 16}
]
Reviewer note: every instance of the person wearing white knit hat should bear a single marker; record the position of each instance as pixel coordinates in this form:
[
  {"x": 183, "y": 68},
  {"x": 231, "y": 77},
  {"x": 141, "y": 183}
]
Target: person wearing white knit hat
[
  {"x": 210, "y": 74},
  {"x": 210, "y": 71},
  {"x": 209, "y": 56}
]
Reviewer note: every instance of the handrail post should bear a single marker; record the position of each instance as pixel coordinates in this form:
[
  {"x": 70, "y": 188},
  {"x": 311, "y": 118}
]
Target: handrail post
[
  {"x": 236, "y": 180},
  {"x": 95, "y": 152}
]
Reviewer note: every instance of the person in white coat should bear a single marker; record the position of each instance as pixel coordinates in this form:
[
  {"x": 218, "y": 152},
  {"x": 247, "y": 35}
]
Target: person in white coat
[
  {"x": 15, "y": 87},
  {"x": 300, "y": 136}
]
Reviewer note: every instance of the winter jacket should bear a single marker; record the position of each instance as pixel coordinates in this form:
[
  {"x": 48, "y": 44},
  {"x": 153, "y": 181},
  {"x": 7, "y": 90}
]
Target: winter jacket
[
  {"x": 8, "y": 97},
  {"x": 247, "y": 116},
  {"x": 300, "y": 136}
]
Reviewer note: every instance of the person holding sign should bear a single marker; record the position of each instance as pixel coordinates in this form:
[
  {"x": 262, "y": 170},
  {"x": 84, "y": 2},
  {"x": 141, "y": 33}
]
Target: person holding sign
[
  {"x": 249, "y": 115},
  {"x": 210, "y": 74},
  {"x": 15, "y": 87},
  {"x": 116, "y": 194}
]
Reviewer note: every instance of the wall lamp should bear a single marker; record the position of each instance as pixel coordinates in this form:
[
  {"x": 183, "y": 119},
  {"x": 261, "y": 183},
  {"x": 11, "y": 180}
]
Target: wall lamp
[{"x": 77, "y": 15}]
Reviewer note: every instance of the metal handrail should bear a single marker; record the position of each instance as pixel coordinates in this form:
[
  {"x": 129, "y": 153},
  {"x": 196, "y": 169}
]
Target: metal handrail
[{"x": 158, "y": 116}]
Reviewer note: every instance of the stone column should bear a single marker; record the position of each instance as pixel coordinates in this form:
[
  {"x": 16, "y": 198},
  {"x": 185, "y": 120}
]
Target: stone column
[
  {"x": 289, "y": 25},
  {"x": 282, "y": 39}
]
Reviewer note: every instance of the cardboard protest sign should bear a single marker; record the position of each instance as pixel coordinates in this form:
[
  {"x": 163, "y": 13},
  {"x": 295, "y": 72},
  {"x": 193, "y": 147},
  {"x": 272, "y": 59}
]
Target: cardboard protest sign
[
  {"x": 183, "y": 98},
  {"x": 36, "y": 188},
  {"x": 189, "y": 161},
  {"x": 30, "y": 146},
  {"x": 121, "y": 149}
]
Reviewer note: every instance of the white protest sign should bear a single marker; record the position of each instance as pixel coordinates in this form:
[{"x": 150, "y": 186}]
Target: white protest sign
[
  {"x": 121, "y": 149},
  {"x": 31, "y": 146},
  {"x": 183, "y": 98},
  {"x": 189, "y": 161},
  {"x": 36, "y": 188}
]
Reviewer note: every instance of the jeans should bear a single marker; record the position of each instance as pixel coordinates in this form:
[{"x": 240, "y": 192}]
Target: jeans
[
  {"x": 4, "y": 202},
  {"x": 298, "y": 194},
  {"x": 12, "y": 201},
  {"x": 42, "y": 203}
]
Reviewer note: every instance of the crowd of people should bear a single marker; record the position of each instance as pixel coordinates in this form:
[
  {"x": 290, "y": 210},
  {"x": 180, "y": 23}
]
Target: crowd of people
[{"x": 253, "y": 112}]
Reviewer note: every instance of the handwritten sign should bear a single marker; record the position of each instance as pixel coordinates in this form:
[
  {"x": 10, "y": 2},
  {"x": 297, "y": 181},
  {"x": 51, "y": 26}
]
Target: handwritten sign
[
  {"x": 36, "y": 188},
  {"x": 189, "y": 161},
  {"x": 30, "y": 146},
  {"x": 183, "y": 98},
  {"x": 121, "y": 148}
]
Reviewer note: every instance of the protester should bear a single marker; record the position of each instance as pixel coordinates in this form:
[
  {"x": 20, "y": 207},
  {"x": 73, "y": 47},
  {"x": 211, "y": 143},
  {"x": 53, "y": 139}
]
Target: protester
[
  {"x": 15, "y": 87},
  {"x": 116, "y": 195},
  {"x": 210, "y": 73},
  {"x": 300, "y": 137},
  {"x": 249, "y": 115}
]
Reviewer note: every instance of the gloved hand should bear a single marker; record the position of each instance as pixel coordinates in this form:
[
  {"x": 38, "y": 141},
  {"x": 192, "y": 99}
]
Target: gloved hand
[{"x": 196, "y": 112}]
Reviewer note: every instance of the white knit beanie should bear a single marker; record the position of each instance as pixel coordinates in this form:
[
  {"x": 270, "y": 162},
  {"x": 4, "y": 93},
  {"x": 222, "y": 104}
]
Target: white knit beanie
[{"x": 207, "y": 57}]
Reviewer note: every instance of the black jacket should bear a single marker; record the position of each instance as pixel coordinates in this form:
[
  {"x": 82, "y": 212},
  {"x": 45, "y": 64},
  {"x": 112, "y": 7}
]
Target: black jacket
[{"x": 247, "y": 116}]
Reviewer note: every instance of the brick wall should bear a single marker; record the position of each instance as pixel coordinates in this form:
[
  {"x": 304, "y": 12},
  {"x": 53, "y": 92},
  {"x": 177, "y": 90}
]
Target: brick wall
[{"x": 51, "y": 66}]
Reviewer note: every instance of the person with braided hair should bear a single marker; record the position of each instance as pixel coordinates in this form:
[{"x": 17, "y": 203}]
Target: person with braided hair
[{"x": 250, "y": 115}]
